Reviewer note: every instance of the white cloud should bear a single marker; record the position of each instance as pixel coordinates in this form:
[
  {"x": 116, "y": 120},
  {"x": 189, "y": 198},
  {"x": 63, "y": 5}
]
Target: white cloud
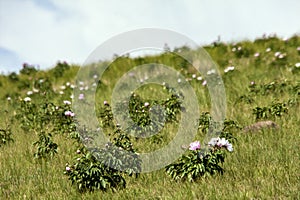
[{"x": 44, "y": 32}]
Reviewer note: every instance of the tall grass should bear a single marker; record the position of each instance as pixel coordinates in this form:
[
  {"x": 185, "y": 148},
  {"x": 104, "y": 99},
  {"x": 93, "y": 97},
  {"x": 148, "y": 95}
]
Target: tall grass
[{"x": 264, "y": 164}]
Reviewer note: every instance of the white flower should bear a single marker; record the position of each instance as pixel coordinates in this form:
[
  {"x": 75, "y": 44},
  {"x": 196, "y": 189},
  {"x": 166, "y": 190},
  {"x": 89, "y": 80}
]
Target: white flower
[
  {"x": 67, "y": 102},
  {"x": 298, "y": 48},
  {"x": 229, "y": 147},
  {"x": 78, "y": 151},
  {"x": 230, "y": 68},
  {"x": 41, "y": 80},
  {"x": 212, "y": 71},
  {"x": 29, "y": 93},
  {"x": 194, "y": 76},
  {"x": 199, "y": 78},
  {"x": 94, "y": 84},
  {"x": 81, "y": 83},
  {"x": 63, "y": 87},
  {"x": 61, "y": 92},
  {"x": 297, "y": 64},
  {"x": 68, "y": 84},
  {"x": 105, "y": 103},
  {"x": 204, "y": 82},
  {"x": 281, "y": 56},
  {"x": 95, "y": 76},
  {"x": 256, "y": 55},
  {"x": 179, "y": 80},
  {"x": 72, "y": 86},
  {"x": 268, "y": 49},
  {"x": 239, "y": 48},
  {"x": 277, "y": 54},
  {"x": 213, "y": 141},
  {"x": 68, "y": 168},
  {"x": 146, "y": 104},
  {"x": 72, "y": 96},
  {"x": 233, "y": 49},
  {"x": 8, "y": 98},
  {"x": 27, "y": 99},
  {"x": 35, "y": 90}
]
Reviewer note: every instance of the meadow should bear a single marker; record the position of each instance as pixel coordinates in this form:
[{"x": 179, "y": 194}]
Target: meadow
[{"x": 40, "y": 145}]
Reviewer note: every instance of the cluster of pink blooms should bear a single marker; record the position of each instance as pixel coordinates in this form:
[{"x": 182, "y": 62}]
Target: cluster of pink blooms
[{"x": 69, "y": 113}]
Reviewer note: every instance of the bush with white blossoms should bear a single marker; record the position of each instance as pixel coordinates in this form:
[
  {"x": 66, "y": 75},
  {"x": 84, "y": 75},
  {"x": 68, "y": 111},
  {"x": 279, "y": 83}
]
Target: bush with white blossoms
[{"x": 198, "y": 162}]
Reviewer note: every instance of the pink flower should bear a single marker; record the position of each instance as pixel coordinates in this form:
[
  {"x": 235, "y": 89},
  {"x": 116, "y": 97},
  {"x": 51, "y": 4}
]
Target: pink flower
[
  {"x": 194, "y": 146},
  {"x": 204, "y": 82},
  {"x": 81, "y": 96},
  {"x": 69, "y": 113},
  {"x": 68, "y": 168}
]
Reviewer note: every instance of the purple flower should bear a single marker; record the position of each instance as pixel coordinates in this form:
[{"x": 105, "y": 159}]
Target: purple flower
[
  {"x": 81, "y": 96},
  {"x": 194, "y": 146}
]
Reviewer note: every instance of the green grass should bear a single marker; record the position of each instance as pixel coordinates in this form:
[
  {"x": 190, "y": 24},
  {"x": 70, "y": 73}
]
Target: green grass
[{"x": 264, "y": 164}]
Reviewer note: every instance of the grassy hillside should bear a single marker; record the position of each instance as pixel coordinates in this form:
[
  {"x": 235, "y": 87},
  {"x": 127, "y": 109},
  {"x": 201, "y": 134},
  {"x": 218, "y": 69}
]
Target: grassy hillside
[{"x": 262, "y": 82}]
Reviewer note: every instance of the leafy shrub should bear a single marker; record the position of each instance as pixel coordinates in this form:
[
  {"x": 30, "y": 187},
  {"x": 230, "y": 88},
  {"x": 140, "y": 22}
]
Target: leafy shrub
[
  {"x": 105, "y": 168},
  {"x": 45, "y": 147},
  {"x": 199, "y": 162},
  {"x": 6, "y": 133},
  {"x": 28, "y": 69}
]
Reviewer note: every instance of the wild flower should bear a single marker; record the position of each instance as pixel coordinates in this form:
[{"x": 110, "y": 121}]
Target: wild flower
[
  {"x": 194, "y": 146},
  {"x": 194, "y": 76},
  {"x": 61, "y": 92},
  {"x": 230, "y": 68},
  {"x": 63, "y": 87},
  {"x": 233, "y": 49},
  {"x": 105, "y": 103},
  {"x": 29, "y": 93},
  {"x": 298, "y": 48},
  {"x": 277, "y": 54},
  {"x": 146, "y": 104},
  {"x": 69, "y": 113},
  {"x": 72, "y": 96},
  {"x": 27, "y": 99},
  {"x": 95, "y": 76},
  {"x": 81, "y": 96},
  {"x": 199, "y": 78},
  {"x": 252, "y": 82},
  {"x": 35, "y": 90},
  {"x": 297, "y": 64},
  {"x": 67, "y": 102},
  {"x": 78, "y": 151},
  {"x": 212, "y": 71},
  {"x": 81, "y": 83},
  {"x": 220, "y": 142},
  {"x": 256, "y": 55},
  {"x": 8, "y": 98},
  {"x": 204, "y": 82},
  {"x": 68, "y": 84},
  {"x": 268, "y": 49},
  {"x": 68, "y": 168},
  {"x": 179, "y": 80}
]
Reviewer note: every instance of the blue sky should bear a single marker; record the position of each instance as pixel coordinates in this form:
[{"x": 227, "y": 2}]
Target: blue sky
[{"x": 41, "y": 32}]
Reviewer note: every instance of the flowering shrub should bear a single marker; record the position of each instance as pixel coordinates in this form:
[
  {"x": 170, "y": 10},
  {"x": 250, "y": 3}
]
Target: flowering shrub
[
  {"x": 199, "y": 162},
  {"x": 104, "y": 168}
]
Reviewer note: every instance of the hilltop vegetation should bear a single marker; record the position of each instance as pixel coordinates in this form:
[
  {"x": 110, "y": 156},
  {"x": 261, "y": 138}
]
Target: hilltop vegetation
[{"x": 42, "y": 155}]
